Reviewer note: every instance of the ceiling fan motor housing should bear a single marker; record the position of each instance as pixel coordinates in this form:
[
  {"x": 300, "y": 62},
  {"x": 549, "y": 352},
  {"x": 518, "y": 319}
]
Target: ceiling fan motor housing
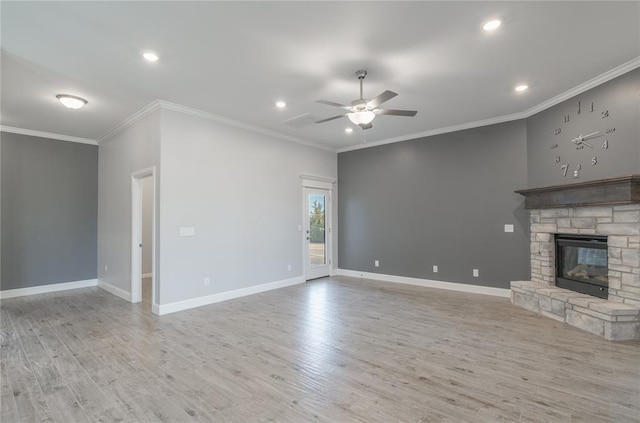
[{"x": 360, "y": 105}]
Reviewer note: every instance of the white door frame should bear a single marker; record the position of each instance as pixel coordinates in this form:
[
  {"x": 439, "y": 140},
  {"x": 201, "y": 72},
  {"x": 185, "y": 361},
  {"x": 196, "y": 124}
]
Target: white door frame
[
  {"x": 136, "y": 237},
  {"x": 324, "y": 183}
]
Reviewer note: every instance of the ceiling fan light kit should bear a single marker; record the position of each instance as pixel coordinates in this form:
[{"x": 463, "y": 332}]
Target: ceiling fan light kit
[
  {"x": 361, "y": 118},
  {"x": 362, "y": 111}
]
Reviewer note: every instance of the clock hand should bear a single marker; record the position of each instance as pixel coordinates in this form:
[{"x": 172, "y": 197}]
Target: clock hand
[
  {"x": 580, "y": 138},
  {"x": 578, "y": 141},
  {"x": 591, "y": 135}
]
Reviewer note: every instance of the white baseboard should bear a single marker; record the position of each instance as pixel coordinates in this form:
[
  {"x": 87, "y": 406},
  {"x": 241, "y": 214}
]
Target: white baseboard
[
  {"x": 227, "y": 295},
  {"x": 147, "y": 275},
  {"x": 427, "y": 283},
  {"x": 118, "y": 292},
  {"x": 43, "y": 289}
]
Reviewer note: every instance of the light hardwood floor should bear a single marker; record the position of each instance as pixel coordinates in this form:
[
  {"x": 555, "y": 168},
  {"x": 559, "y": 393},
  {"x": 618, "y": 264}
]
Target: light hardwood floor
[{"x": 332, "y": 350}]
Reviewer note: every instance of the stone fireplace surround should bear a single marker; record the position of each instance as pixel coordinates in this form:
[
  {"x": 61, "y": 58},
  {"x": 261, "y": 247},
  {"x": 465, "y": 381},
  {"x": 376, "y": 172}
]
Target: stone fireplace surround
[{"x": 610, "y": 208}]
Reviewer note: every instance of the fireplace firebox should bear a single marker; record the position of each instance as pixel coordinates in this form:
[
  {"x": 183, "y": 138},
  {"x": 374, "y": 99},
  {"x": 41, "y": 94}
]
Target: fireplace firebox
[{"x": 581, "y": 264}]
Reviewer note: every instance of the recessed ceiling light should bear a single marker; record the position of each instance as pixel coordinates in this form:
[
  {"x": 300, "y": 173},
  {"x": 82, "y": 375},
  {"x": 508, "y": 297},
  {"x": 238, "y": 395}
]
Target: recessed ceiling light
[
  {"x": 491, "y": 25},
  {"x": 348, "y": 130},
  {"x": 281, "y": 104},
  {"x": 71, "y": 101},
  {"x": 521, "y": 88},
  {"x": 152, "y": 57}
]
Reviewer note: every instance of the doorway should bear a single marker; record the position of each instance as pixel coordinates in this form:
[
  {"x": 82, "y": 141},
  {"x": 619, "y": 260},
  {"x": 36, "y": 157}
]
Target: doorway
[
  {"x": 317, "y": 218},
  {"x": 147, "y": 234},
  {"x": 144, "y": 280}
]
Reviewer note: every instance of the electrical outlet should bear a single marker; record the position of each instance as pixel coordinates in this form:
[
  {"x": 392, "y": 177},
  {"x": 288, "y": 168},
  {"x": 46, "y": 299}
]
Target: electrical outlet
[
  {"x": 376, "y": 263},
  {"x": 435, "y": 269},
  {"x": 476, "y": 273},
  {"x": 207, "y": 281},
  {"x": 508, "y": 228},
  {"x": 289, "y": 268}
]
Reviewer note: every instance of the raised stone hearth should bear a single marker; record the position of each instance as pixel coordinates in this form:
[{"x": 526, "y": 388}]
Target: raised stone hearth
[
  {"x": 554, "y": 212},
  {"x": 615, "y": 321}
]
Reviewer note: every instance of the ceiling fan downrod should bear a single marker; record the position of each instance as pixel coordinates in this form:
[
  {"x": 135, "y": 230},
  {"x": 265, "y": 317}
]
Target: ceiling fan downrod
[{"x": 361, "y": 74}]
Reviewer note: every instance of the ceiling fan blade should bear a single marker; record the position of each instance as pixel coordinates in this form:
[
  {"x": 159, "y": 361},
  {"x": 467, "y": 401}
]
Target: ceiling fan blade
[
  {"x": 331, "y": 118},
  {"x": 333, "y": 103},
  {"x": 300, "y": 121},
  {"x": 366, "y": 125},
  {"x": 385, "y": 96},
  {"x": 395, "y": 112}
]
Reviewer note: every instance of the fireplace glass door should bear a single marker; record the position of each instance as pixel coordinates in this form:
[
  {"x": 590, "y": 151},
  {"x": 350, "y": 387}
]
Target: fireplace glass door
[{"x": 581, "y": 264}]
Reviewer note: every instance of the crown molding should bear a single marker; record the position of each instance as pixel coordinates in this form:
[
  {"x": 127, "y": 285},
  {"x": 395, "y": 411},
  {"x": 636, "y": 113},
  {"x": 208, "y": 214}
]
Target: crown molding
[
  {"x": 41, "y": 134},
  {"x": 165, "y": 105},
  {"x": 134, "y": 118},
  {"x": 161, "y": 104},
  {"x": 438, "y": 131},
  {"x": 592, "y": 83}
]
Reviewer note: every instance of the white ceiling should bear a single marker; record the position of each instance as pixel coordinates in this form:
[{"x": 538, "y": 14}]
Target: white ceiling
[{"x": 235, "y": 59}]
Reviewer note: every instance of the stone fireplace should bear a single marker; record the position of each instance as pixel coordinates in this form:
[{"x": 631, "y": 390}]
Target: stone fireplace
[{"x": 606, "y": 209}]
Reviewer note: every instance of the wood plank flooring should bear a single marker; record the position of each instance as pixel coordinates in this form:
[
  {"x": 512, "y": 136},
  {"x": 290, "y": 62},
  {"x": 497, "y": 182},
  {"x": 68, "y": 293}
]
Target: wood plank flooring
[{"x": 331, "y": 350}]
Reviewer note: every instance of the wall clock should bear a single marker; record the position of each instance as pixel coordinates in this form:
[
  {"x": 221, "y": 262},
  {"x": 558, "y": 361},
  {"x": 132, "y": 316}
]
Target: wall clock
[{"x": 582, "y": 138}]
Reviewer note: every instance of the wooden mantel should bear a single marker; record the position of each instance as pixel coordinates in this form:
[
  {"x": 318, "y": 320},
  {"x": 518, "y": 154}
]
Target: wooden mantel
[{"x": 621, "y": 190}]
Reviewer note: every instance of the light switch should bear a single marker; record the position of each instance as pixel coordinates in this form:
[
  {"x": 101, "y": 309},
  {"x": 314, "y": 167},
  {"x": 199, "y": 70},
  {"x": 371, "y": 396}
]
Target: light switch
[
  {"x": 189, "y": 231},
  {"x": 508, "y": 228}
]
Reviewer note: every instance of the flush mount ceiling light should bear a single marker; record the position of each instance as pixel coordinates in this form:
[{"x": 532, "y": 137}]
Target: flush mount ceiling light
[
  {"x": 151, "y": 57},
  {"x": 491, "y": 25},
  {"x": 521, "y": 88},
  {"x": 71, "y": 101},
  {"x": 281, "y": 104}
]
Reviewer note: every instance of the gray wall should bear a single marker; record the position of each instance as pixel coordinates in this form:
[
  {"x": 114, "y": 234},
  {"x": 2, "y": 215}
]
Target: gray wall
[
  {"x": 443, "y": 200},
  {"x": 49, "y": 211},
  {"x": 621, "y": 97},
  {"x": 440, "y": 200}
]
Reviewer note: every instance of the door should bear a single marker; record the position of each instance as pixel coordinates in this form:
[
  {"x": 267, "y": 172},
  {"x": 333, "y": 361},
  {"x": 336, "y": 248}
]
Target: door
[{"x": 317, "y": 232}]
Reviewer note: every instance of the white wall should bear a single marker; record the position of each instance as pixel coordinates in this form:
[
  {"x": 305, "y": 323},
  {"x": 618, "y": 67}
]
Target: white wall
[
  {"x": 136, "y": 147},
  {"x": 147, "y": 223},
  {"x": 242, "y": 193}
]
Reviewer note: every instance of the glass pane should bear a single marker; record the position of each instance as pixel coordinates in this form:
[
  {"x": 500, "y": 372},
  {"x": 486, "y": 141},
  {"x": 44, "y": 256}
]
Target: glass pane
[
  {"x": 317, "y": 236},
  {"x": 584, "y": 264}
]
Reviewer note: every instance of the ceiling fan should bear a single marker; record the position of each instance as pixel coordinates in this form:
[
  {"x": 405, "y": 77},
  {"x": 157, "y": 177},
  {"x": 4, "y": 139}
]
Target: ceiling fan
[{"x": 362, "y": 111}]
